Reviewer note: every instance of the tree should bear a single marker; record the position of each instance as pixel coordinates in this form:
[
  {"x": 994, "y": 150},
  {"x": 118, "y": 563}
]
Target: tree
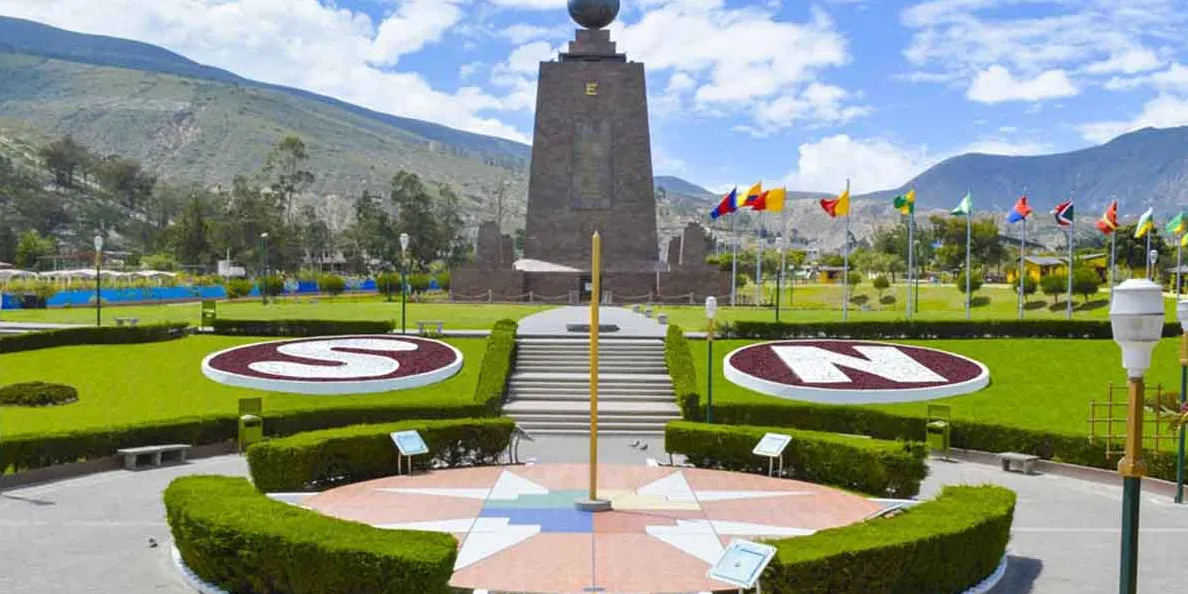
[
  {"x": 1054, "y": 285},
  {"x": 284, "y": 170},
  {"x": 975, "y": 282},
  {"x": 125, "y": 178},
  {"x": 986, "y": 246},
  {"x": 190, "y": 236},
  {"x": 1132, "y": 252},
  {"x": 32, "y": 249},
  {"x": 881, "y": 284},
  {"x": 854, "y": 279},
  {"x": 433, "y": 223},
  {"x": 1086, "y": 283},
  {"x": 1029, "y": 286},
  {"x": 64, "y": 157}
]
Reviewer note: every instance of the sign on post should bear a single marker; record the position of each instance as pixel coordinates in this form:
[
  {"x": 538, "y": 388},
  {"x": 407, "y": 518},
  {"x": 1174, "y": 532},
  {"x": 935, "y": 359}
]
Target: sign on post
[
  {"x": 772, "y": 446},
  {"x": 742, "y": 563},
  {"x": 409, "y": 444}
]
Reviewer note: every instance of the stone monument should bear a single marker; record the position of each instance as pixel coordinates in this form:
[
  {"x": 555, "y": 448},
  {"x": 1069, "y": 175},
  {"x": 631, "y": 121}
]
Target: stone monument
[{"x": 591, "y": 171}]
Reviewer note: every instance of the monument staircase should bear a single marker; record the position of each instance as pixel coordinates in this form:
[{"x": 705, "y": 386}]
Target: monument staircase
[{"x": 549, "y": 391}]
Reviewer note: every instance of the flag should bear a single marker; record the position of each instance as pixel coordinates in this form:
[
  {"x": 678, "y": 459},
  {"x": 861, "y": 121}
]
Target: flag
[
  {"x": 753, "y": 195},
  {"x": 1020, "y": 212},
  {"x": 771, "y": 200},
  {"x": 728, "y": 205},
  {"x": 965, "y": 208},
  {"x": 1109, "y": 221},
  {"x": 1184, "y": 240},
  {"x": 1064, "y": 213},
  {"x": 906, "y": 203},
  {"x": 1177, "y": 226},
  {"x": 1145, "y": 224},
  {"x": 838, "y": 207}
]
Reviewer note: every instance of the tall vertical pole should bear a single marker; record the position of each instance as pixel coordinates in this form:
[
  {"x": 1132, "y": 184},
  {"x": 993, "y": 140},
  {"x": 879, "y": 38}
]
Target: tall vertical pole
[
  {"x": 1179, "y": 263},
  {"x": 780, "y": 277},
  {"x": 404, "y": 292},
  {"x": 1147, "y": 255},
  {"x": 709, "y": 374},
  {"x": 968, "y": 267},
  {"x": 1113, "y": 251},
  {"x": 1022, "y": 268},
  {"x": 1183, "y": 404},
  {"x": 759, "y": 268},
  {"x": 846, "y": 262},
  {"x": 595, "y": 301},
  {"x": 1132, "y": 468},
  {"x": 734, "y": 263},
  {"x": 911, "y": 263},
  {"x": 98, "y": 288},
  {"x": 1072, "y": 228}
]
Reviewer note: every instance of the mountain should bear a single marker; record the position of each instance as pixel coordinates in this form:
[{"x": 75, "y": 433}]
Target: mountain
[{"x": 1148, "y": 167}]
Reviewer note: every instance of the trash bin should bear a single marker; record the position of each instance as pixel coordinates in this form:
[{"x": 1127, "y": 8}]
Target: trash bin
[
  {"x": 209, "y": 313},
  {"x": 251, "y": 430}
]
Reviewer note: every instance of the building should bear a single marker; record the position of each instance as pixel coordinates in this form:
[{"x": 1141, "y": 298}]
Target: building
[
  {"x": 830, "y": 275},
  {"x": 1038, "y": 267}
]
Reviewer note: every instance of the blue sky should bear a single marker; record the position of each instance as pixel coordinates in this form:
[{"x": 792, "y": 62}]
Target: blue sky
[{"x": 803, "y": 93}]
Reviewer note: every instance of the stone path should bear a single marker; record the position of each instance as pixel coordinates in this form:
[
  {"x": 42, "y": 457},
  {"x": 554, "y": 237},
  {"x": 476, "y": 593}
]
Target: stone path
[{"x": 91, "y": 534}]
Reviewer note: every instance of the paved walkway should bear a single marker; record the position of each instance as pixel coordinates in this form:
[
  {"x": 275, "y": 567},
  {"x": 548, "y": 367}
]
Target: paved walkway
[
  {"x": 555, "y": 322},
  {"x": 91, "y": 534}
]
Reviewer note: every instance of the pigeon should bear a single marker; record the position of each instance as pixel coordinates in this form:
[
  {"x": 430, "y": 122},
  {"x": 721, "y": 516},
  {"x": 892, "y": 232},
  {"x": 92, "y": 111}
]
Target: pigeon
[
  {"x": 643, "y": 446},
  {"x": 152, "y": 542},
  {"x": 634, "y": 444}
]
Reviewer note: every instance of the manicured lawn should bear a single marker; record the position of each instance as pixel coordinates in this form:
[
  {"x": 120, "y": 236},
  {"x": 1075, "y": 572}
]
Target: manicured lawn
[
  {"x": 133, "y": 383},
  {"x": 1038, "y": 384}
]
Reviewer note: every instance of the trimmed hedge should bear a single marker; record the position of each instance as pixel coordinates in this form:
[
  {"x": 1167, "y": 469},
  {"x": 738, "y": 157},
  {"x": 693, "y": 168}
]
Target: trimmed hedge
[
  {"x": 934, "y": 329},
  {"x": 875, "y": 467},
  {"x": 683, "y": 373},
  {"x": 91, "y": 335},
  {"x": 234, "y": 537},
  {"x": 943, "y": 546},
  {"x": 321, "y": 459},
  {"x": 300, "y": 328},
  {"x": 37, "y": 394},
  {"x": 498, "y": 361}
]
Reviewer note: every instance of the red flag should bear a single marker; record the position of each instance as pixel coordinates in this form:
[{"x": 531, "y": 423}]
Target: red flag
[{"x": 1109, "y": 221}]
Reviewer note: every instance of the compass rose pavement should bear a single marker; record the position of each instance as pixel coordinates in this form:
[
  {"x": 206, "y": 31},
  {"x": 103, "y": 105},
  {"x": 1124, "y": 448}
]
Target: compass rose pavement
[{"x": 518, "y": 529}]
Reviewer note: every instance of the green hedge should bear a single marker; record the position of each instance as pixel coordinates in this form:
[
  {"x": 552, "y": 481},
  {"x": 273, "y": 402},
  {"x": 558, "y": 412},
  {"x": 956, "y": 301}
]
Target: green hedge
[
  {"x": 933, "y": 329},
  {"x": 233, "y": 537},
  {"x": 871, "y": 466},
  {"x": 683, "y": 373},
  {"x": 943, "y": 546},
  {"x": 91, "y": 335},
  {"x": 498, "y": 361},
  {"x": 321, "y": 459},
  {"x": 300, "y": 328},
  {"x": 37, "y": 394}
]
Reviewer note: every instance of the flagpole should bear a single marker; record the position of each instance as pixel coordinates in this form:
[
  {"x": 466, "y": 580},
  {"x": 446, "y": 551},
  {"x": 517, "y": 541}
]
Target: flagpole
[
  {"x": 759, "y": 262},
  {"x": 783, "y": 261},
  {"x": 734, "y": 263},
  {"x": 1113, "y": 250},
  {"x": 911, "y": 260},
  {"x": 846, "y": 262},
  {"x": 1179, "y": 262},
  {"x": 1147, "y": 254},
  {"x": 968, "y": 240},
  {"x": 1072, "y": 227},
  {"x": 1022, "y": 268}
]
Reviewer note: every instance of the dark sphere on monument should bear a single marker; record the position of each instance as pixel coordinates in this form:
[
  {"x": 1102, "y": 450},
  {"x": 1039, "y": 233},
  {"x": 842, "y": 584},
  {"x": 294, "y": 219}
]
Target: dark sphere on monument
[{"x": 593, "y": 14}]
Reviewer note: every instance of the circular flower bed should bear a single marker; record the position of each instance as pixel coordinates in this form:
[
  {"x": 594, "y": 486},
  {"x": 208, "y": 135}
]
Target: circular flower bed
[{"x": 37, "y": 394}]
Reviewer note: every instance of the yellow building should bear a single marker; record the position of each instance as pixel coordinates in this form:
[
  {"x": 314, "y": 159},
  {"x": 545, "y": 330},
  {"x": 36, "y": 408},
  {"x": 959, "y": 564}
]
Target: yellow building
[
  {"x": 1038, "y": 267},
  {"x": 830, "y": 274}
]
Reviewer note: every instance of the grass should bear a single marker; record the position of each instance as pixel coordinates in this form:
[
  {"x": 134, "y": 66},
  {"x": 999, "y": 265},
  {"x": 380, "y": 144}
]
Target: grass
[
  {"x": 804, "y": 303},
  {"x": 133, "y": 383},
  {"x": 1037, "y": 384}
]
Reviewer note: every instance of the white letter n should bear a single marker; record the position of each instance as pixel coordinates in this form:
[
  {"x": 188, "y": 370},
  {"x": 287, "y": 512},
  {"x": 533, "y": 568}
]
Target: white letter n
[{"x": 815, "y": 365}]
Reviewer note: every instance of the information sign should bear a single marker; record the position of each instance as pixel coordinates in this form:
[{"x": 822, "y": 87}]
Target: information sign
[
  {"x": 742, "y": 563},
  {"x": 410, "y": 443}
]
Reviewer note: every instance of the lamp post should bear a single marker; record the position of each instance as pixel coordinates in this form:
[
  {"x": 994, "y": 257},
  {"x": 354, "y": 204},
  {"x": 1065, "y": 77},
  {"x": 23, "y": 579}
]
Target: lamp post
[
  {"x": 263, "y": 268},
  {"x": 1182, "y": 315},
  {"x": 711, "y": 310},
  {"x": 1152, "y": 260},
  {"x": 404, "y": 239},
  {"x": 1136, "y": 316},
  {"x": 780, "y": 277},
  {"x": 98, "y": 280}
]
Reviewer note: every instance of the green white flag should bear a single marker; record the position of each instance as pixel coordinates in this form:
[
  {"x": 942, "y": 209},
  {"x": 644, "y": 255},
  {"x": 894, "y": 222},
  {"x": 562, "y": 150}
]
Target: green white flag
[{"x": 966, "y": 207}]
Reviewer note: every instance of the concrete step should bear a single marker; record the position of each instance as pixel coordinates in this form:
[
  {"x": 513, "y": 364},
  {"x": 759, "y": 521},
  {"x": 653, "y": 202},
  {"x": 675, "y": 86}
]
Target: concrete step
[
  {"x": 602, "y": 432},
  {"x": 583, "y": 427},
  {"x": 585, "y": 398},
  {"x": 580, "y": 389},
  {"x": 579, "y": 368},
  {"x": 585, "y": 348},
  {"x": 585, "y": 355},
  {"x": 519, "y": 408},
  {"x": 602, "y": 340},
  {"x": 603, "y": 378},
  {"x": 608, "y": 420}
]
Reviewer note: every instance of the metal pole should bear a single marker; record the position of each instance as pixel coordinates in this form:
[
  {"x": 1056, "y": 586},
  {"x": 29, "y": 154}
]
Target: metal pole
[
  {"x": 1179, "y": 263},
  {"x": 1183, "y": 402},
  {"x": 780, "y": 279},
  {"x": 846, "y": 263},
  {"x": 1147, "y": 255},
  {"x": 403, "y": 293},
  {"x": 1022, "y": 270},
  {"x": 910, "y": 263},
  {"x": 759, "y": 272},
  {"x": 1071, "y": 232},
  {"x": 1113, "y": 251},
  {"x": 595, "y": 298},
  {"x": 98, "y": 289},
  {"x": 1132, "y": 468},
  {"x": 709, "y": 375},
  {"x": 734, "y": 264},
  {"x": 968, "y": 264},
  {"x": 919, "y": 273}
]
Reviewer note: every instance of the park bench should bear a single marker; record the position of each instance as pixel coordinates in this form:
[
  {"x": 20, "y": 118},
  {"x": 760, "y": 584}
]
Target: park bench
[
  {"x": 1027, "y": 460},
  {"x": 422, "y": 324},
  {"x": 127, "y": 321},
  {"x": 155, "y": 453}
]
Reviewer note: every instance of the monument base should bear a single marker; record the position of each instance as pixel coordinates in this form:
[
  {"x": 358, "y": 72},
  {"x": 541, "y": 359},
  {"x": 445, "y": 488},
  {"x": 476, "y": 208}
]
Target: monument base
[
  {"x": 681, "y": 286},
  {"x": 592, "y": 505}
]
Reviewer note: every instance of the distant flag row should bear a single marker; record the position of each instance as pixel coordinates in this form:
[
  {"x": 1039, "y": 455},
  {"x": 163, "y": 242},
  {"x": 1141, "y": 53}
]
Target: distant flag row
[{"x": 755, "y": 198}]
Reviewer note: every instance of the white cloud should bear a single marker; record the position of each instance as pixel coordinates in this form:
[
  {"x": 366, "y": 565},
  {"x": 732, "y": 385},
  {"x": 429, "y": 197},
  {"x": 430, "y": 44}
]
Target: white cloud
[
  {"x": 1130, "y": 61},
  {"x": 470, "y": 69},
  {"x": 530, "y": 4},
  {"x": 994, "y": 146},
  {"x": 521, "y": 32},
  {"x": 519, "y": 72},
  {"x": 818, "y": 103},
  {"x": 302, "y": 43},
  {"x": 871, "y": 164},
  {"x": 1164, "y": 111},
  {"x": 996, "y": 84}
]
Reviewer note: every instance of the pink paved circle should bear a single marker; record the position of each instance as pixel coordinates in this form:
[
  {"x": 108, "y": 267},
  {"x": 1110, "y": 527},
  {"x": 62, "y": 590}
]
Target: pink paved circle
[
  {"x": 518, "y": 531},
  {"x": 335, "y": 365},
  {"x": 853, "y": 372}
]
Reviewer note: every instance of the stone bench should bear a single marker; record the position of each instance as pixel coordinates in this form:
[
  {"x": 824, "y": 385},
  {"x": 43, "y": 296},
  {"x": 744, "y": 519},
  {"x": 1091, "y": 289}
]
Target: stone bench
[
  {"x": 421, "y": 326},
  {"x": 155, "y": 454},
  {"x": 1026, "y": 460},
  {"x": 127, "y": 321}
]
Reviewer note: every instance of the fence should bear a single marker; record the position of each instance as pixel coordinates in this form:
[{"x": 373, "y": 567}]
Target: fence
[{"x": 1107, "y": 419}]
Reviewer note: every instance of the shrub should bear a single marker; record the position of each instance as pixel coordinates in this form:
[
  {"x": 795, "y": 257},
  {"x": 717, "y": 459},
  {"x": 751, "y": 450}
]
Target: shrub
[
  {"x": 238, "y": 288},
  {"x": 1086, "y": 283},
  {"x": 679, "y": 359},
  {"x": 272, "y": 285},
  {"x": 90, "y": 335},
  {"x": 244, "y": 542},
  {"x": 338, "y": 456},
  {"x": 854, "y": 279},
  {"x": 875, "y": 467},
  {"x": 975, "y": 282},
  {"x": 881, "y": 284},
  {"x": 940, "y": 329},
  {"x": 497, "y": 364},
  {"x": 332, "y": 284},
  {"x": 45, "y": 290},
  {"x": 300, "y": 328},
  {"x": 1054, "y": 285},
  {"x": 37, "y": 394},
  {"x": 946, "y": 545},
  {"x": 388, "y": 283},
  {"x": 1029, "y": 286}
]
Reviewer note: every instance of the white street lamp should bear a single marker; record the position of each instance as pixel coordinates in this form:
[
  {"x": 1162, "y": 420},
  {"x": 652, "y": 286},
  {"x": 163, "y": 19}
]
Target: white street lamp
[
  {"x": 1136, "y": 317},
  {"x": 404, "y": 240},
  {"x": 98, "y": 283},
  {"x": 711, "y": 310}
]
